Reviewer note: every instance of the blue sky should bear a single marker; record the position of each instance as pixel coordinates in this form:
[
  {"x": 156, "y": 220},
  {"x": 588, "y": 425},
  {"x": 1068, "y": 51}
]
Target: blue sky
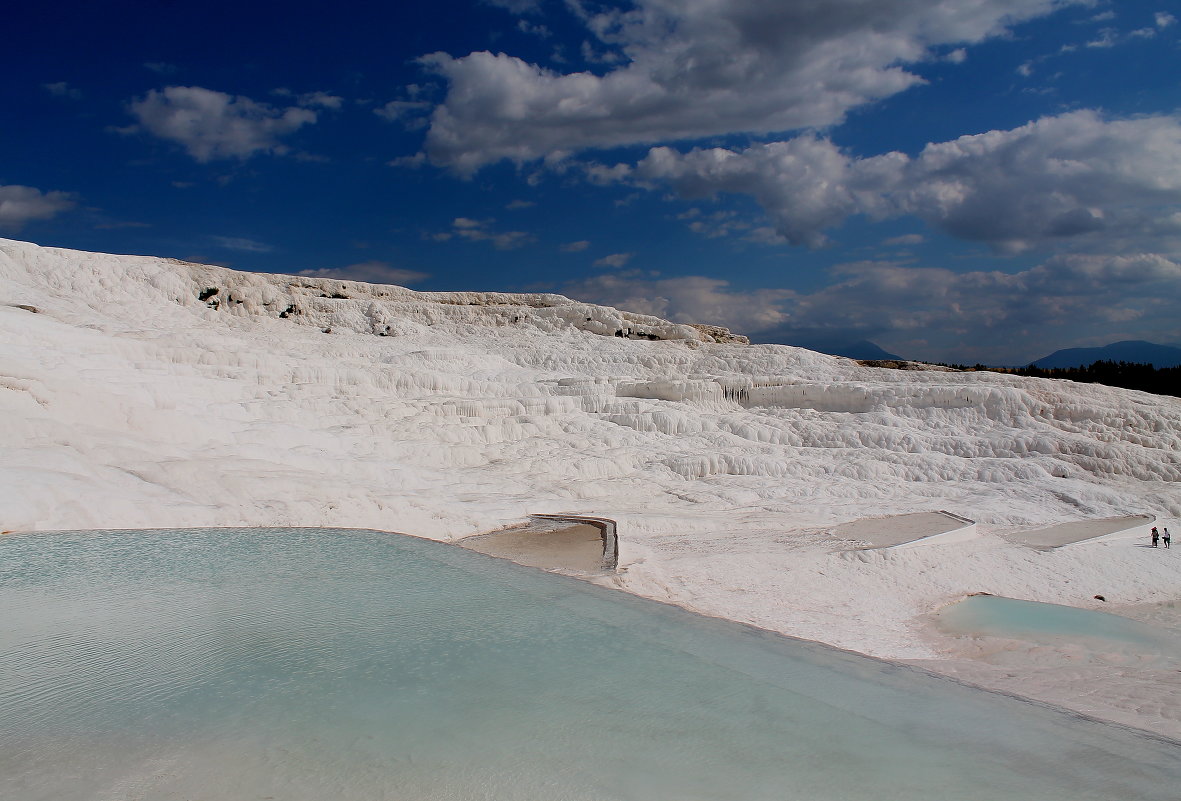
[{"x": 968, "y": 180}]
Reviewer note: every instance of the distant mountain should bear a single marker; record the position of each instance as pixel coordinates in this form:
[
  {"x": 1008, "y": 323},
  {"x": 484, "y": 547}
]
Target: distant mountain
[
  {"x": 1132, "y": 350},
  {"x": 860, "y": 349}
]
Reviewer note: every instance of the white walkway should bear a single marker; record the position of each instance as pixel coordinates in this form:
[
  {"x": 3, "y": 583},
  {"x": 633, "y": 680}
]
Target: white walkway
[
  {"x": 1083, "y": 530},
  {"x": 899, "y": 531}
]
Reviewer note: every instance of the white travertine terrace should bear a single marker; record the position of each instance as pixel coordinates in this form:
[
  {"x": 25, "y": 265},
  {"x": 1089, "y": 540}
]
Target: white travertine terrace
[{"x": 132, "y": 395}]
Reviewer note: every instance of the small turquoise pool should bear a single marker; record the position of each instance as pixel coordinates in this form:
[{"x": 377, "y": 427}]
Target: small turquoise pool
[
  {"x": 323, "y": 664},
  {"x": 996, "y": 616}
]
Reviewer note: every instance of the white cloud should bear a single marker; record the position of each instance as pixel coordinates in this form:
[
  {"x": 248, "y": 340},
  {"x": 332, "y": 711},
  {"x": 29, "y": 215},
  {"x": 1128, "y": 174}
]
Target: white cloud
[
  {"x": 602, "y": 175},
  {"x": 686, "y": 299},
  {"x": 412, "y": 162},
  {"x": 241, "y": 243},
  {"x": 1107, "y": 38},
  {"x": 62, "y": 89},
  {"x": 321, "y": 99},
  {"x": 514, "y": 205},
  {"x": 616, "y": 260},
  {"x": 408, "y": 111},
  {"x": 214, "y": 125},
  {"x": 765, "y": 235},
  {"x": 525, "y": 26},
  {"x": 806, "y": 184},
  {"x": 23, "y": 204},
  {"x": 594, "y": 55},
  {"x": 1058, "y": 177},
  {"x": 722, "y": 223},
  {"x": 482, "y": 231},
  {"x": 1071, "y": 176},
  {"x": 371, "y": 272},
  {"x": 1111, "y": 37},
  {"x": 697, "y": 68},
  {"x": 575, "y": 247}
]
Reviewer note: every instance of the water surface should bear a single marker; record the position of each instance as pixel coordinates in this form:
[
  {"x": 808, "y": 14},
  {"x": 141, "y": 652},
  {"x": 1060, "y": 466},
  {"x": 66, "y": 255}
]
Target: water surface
[
  {"x": 319, "y": 664},
  {"x": 996, "y": 616}
]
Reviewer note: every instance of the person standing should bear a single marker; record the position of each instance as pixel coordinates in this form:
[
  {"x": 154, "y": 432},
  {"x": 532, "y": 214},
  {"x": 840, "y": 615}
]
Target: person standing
[
  {"x": 1155, "y": 536},
  {"x": 1165, "y": 537}
]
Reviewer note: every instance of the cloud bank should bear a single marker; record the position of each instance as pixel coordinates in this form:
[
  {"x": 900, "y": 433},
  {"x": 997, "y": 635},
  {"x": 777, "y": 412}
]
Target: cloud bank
[
  {"x": 927, "y": 312},
  {"x": 1059, "y": 177},
  {"x": 688, "y": 69}
]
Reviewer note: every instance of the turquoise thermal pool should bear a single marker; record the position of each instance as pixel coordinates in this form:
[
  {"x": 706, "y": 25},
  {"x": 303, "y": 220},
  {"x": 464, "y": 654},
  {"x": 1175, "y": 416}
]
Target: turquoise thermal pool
[
  {"x": 323, "y": 664},
  {"x": 995, "y": 616}
]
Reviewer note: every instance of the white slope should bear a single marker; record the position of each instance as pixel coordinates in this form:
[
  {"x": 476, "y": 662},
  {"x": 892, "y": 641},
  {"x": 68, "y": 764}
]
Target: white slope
[{"x": 127, "y": 400}]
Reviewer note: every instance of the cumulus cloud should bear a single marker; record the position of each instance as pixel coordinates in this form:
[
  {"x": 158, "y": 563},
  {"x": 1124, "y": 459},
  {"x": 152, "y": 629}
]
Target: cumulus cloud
[
  {"x": 482, "y": 231},
  {"x": 1057, "y": 177},
  {"x": 696, "y": 68},
  {"x": 23, "y": 204},
  {"x": 1069, "y": 176},
  {"x": 371, "y": 272},
  {"x": 213, "y": 125},
  {"x": 806, "y": 185},
  {"x": 575, "y": 247}
]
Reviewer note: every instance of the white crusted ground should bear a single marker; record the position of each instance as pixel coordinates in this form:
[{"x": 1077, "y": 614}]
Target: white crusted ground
[{"x": 131, "y": 396}]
